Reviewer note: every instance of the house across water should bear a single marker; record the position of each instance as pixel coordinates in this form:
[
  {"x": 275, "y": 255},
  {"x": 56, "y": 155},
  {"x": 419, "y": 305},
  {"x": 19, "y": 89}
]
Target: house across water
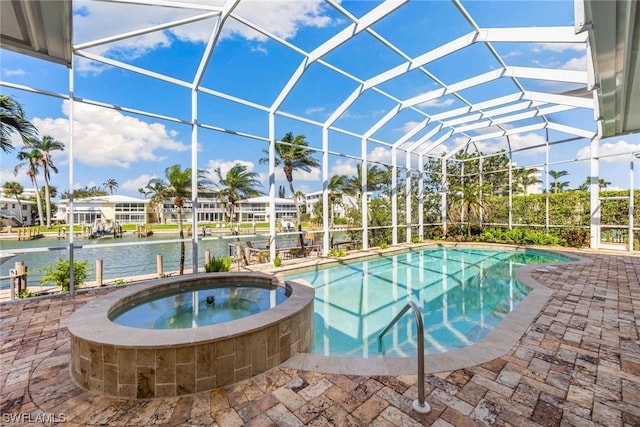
[
  {"x": 130, "y": 210},
  {"x": 18, "y": 213}
]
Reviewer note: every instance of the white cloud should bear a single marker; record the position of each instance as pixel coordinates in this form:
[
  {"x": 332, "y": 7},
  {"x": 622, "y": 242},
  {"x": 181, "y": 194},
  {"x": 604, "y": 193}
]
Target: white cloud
[
  {"x": 409, "y": 126},
  {"x": 527, "y": 140},
  {"x": 299, "y": 179},
  {"x": 576, "y": 64},
  {"x": 512, "y": 54},
  {"x": 225, "y": 166},
  {"x": 366, "y": 115},
  {"x": 13, "y": 72},
  {"x": 609, "y": 148},
  {"x": 6, "y": 175},
  {"x": 437, "y": 103},
  {"x": 105, "y": 137},
  {"x": 380, "y": 154},
  {"x": 313, "y": 175},
  {"x": 303, "y": 188},
  {"x": 559, "y": 47},
  {"x": 283, "y": 18},
  {"x": 133, "y": 184},
  {"x": 260, "y": 49},
  {"x": 312, "y": 110},
  {"x": 344, "y": 166},
  {"x": 96, "y": 20},
  {"x": 438, "y": 151}
]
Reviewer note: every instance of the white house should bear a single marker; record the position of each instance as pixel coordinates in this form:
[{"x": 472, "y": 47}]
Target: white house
[
  {"x": 256, "y": 209},
  {"x": 18, "y": 213},
  {"x": 120, "y": 209},
  {"x": 340, "y": 205},
  {"x": 211, "y": 209}
]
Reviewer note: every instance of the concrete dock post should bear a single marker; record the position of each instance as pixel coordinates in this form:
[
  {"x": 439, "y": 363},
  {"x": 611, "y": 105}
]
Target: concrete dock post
[
  {"x": 21, "y": 277},
  {"x": 159, "y": 264},
  {"x": 98, "y": 272},
  {"x": 12, "y": 283}
]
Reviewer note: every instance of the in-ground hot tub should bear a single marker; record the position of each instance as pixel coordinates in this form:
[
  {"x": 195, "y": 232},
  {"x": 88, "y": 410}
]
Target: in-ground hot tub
[{"x": 137, "y": 362}]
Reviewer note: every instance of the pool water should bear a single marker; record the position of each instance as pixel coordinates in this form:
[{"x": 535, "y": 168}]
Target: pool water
[
  {"x": 462, "y": 294},
  {"x": 213, "y": 305}
]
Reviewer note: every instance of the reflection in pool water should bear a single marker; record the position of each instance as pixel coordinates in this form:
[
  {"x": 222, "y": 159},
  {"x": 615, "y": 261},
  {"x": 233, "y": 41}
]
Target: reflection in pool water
[
  {"x": 203, "y": 306},
  {"x": 462, "y": 294}
]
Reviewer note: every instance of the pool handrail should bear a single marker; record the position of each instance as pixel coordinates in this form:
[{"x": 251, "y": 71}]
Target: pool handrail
[{"x": 419, "y": 405}]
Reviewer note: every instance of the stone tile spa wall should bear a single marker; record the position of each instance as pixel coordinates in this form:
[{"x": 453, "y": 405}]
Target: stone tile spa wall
[{"x": 138, "y": 363}]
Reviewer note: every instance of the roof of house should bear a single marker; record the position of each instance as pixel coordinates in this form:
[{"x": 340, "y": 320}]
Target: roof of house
[
  {"x": 266, "y": 199},
  {"x": 13, "y": 200},
  {"x": 108, "y": 199}
]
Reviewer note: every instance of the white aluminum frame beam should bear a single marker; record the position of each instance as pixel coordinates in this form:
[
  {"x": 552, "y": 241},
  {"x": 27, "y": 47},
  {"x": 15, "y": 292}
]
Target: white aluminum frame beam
[{"x": 343, "y": 36}]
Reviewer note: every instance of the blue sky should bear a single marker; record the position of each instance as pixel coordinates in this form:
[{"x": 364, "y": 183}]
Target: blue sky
[{"x": 247, "y": 64}]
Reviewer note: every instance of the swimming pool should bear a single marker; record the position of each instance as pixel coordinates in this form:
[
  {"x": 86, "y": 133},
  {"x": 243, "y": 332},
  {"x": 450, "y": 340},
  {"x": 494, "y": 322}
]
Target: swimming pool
[{"x": 462, "y": 293}]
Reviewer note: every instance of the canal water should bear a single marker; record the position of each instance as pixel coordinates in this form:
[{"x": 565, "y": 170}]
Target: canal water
[{"x": 122, "y": 258}]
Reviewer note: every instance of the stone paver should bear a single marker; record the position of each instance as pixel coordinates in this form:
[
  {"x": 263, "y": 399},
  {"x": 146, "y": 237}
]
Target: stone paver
[{"x": 578, "y": 364}]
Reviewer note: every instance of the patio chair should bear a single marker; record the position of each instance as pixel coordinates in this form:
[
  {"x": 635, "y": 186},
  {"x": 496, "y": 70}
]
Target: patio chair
[
  {"x": 240, "y": 257},
  {"x": 262, "y": 255}
]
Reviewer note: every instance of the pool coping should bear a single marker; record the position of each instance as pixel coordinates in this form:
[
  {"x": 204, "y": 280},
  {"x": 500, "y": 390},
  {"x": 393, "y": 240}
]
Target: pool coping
[
  {"x": 495, "y": 344},
  {"x": 91, "y": 322}
]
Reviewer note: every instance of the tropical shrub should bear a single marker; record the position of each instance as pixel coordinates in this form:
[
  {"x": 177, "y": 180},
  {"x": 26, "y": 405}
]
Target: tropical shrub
[
  {"x": 574, "y": 237},
  {"x": 218, "y": 264},
  {"x": 525, "y": 236},
  {"x": 60, "y": 273},
  {"x": 340, "y": 252},
  {"x": 434, "y": 232},
  {"x": 27, "y": 294}
]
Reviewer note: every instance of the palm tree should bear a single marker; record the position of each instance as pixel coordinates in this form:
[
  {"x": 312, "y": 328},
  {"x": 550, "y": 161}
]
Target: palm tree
[
  {"x": 238, "y": 184},
  {"x": 158, "y": 191},
  {"x": 300, "y": 195},
  {"x": 15, "y": 189},
  {"x": 467, "y": 200},
  {"x": 144, "y": 191},
  {"x": 525, "y": 177},
  {"x": 46, "y": 145},
  {"x": 31, "y": 159},
  {"x": 12, "y": 119},
  {"x": 376, "y": 178},
  {"x": 336, "y": 186},
  {"x": 110, "y": 184},
  {"x": 587, "y": 182},
  {"x": 293, "y": 154},
  {"x": 556, "y": 175},
  {"x": 178, "y": 186},
  {"x": 81, "y": 193}
]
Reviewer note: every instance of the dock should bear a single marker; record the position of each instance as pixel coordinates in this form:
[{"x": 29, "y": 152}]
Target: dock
[{"x": 29, "y": 233}]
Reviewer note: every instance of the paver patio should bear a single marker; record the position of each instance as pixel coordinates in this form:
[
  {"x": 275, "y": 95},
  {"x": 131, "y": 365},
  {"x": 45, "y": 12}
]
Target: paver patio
[{"x": 578, "y": 364}]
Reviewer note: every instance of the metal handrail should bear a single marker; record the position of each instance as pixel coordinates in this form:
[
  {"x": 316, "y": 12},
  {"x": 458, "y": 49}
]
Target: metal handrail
[{"x": 418, "y": 405}]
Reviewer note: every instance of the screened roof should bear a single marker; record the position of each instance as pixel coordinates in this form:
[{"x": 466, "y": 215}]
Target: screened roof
[{"x": 428, "y": 77}]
